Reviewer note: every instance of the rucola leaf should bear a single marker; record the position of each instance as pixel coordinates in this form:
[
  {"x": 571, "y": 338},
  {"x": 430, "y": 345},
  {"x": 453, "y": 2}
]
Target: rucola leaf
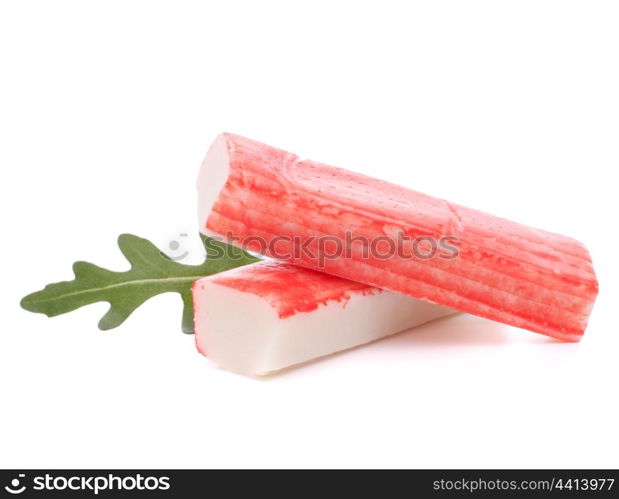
[{"x": 151, "y": 273}]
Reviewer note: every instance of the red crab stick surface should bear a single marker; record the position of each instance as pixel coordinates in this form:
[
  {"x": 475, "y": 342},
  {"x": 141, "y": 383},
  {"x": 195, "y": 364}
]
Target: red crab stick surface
[
  {"x": 268, "y": 200},
  {"x": 270, "y": 315}
]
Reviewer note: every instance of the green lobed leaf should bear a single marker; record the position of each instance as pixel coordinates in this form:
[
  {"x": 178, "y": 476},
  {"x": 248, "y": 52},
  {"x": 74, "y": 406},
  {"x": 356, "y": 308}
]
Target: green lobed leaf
[{"x": 152, "y": 272}]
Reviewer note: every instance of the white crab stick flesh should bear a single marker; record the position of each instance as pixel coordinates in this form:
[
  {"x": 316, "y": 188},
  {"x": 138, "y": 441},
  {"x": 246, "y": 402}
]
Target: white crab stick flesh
[{"x": 270, "y": 315}]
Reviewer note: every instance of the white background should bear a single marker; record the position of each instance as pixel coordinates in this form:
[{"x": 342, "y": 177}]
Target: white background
[{"x": 106, "y": 110}]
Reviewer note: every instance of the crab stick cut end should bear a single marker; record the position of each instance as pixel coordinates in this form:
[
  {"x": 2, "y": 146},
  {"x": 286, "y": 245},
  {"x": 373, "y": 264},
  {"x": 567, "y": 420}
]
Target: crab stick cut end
[
  {"x": 267, "y": 316},
  {"x": 212, "y": 178}
]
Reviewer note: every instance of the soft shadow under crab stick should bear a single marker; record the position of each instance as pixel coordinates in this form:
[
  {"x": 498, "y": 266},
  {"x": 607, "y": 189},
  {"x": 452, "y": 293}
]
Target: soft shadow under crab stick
[
  {"x": 269, "y": 315},
  {"x": 268, "y": 200}
]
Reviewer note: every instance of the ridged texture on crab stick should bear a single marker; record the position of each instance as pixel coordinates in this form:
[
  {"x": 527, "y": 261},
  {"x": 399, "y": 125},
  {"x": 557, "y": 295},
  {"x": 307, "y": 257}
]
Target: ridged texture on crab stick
[
  {"x": 270, "y": 315},
  {"x": 265, "y": 199}
]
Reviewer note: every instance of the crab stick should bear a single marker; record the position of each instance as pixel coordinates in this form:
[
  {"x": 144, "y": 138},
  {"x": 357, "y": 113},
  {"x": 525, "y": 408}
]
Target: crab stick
[
  {"x": 269, "y": 315},
  {"x": 303, "y": 212}
]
